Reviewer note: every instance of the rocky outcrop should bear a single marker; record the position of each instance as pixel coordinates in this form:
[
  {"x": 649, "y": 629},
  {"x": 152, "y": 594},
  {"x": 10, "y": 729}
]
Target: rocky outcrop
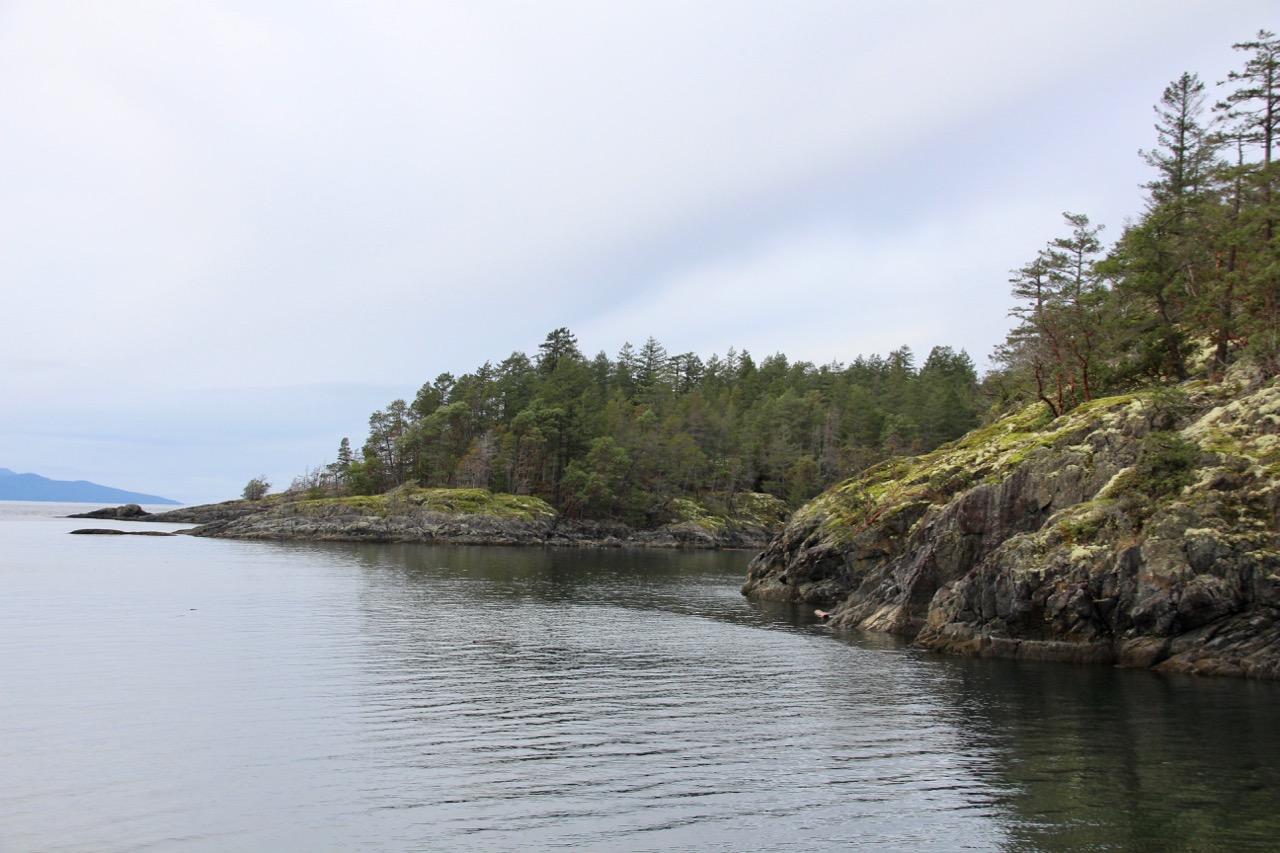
[
  {"x": 1139, "y": 530},
  {"x": 471, "y": 517},
  {"x": 210, "y": 513},
  {"x": 346, "y": 524},
  {"x": 104, "y": 531},
  {"x": 128, "y": 512}
]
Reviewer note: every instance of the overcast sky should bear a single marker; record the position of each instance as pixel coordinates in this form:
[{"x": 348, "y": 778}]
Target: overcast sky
[{"x": 230, "y": 230}]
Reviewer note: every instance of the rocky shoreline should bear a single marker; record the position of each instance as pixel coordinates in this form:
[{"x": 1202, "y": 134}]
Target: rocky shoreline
[
  {"x": 1139, "y": 531},
  {"x": 449, "y": 517}
]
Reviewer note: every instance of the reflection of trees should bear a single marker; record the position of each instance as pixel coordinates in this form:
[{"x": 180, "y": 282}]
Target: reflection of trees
[
  {"x": 1022, "y": 756},
  {"x": 1103, "y": 759}
]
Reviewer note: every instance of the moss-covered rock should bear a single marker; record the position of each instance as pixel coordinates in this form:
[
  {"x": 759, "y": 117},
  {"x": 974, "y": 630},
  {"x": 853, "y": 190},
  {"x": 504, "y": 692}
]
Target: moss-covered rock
[
  {"x": 1140, "y": 530},
  {"x": 480, "y": 517}
]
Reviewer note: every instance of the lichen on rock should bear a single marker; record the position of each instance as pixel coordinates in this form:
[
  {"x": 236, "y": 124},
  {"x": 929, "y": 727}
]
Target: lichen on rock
[
  {"x": 1131, "y": 530},
  {"x": 479, "y": 517}
]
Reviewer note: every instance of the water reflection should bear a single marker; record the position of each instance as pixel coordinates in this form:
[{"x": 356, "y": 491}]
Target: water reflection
[{"x": 1104, "y": 759}]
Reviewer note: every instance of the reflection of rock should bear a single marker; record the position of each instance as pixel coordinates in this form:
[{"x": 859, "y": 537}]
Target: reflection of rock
[
  {"x": 1090, "y": 538},
  {"x": 128, "y": 511},
  {"x": 103, "y": 531}
]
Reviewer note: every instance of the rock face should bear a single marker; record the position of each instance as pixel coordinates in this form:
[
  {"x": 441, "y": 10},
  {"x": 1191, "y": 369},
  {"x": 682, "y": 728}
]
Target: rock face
[
  {"x": 467, "y": 517},
  {"x": 1140, "y": 531}
]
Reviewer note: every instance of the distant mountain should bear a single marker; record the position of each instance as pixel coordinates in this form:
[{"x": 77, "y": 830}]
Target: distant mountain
[{"x": 33, "y": 487}]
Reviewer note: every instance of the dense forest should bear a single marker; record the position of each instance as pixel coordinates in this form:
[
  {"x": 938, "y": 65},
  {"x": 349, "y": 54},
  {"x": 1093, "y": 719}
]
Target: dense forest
[
  {"x": 1191, "y": 285},
  {"x": 620, "y": 437}
]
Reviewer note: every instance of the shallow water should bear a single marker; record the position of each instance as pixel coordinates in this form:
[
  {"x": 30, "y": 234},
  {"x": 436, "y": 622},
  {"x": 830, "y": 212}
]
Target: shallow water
[{"x": 189, "y": 694}]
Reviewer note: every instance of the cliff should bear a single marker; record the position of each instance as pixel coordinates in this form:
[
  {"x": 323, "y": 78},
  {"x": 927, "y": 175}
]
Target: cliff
[
  {"x": 474, "y": 517},
  {"x": 1137, "y": 530}
]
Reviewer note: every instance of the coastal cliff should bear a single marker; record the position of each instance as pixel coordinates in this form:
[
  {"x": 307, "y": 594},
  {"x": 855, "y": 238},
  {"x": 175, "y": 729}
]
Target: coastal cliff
[
  {"x": 475, "y": 517},
  {"x": 1139, "y": 530}
]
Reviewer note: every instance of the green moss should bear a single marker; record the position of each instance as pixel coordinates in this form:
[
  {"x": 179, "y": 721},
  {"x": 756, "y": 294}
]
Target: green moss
[
  {"x": 450, "y": 501},
  {"x": 986, "y": 455},
  {"x": 719, "y": 513},
  {"x": 1083, "y": 522},
  {"x": 364, "y": 504},
  {"x": 476, "y": 502}
]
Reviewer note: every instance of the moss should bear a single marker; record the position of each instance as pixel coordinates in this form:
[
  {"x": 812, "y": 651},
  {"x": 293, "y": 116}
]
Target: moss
[
  {"x": 719, "y": 513},
  {"x": 364, "y": 504},
  {"x": 987, "y": 455},
  {"x": 450, "y": 501}
]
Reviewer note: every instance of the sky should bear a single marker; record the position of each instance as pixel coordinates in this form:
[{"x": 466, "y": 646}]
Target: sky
[{"x": 229, "y": 231}]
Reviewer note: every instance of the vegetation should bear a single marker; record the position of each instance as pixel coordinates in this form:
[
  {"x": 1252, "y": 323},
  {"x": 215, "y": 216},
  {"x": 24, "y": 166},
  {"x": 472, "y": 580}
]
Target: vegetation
[
  {"x": 636, "y": 437},
  {"x": 256, "y": 489},
  {"x": 1192, "y": 285}
]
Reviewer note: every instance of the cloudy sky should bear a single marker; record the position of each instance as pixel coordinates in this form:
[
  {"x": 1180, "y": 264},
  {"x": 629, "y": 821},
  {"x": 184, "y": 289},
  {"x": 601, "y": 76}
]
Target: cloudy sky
[{"x": 230, "y": 230}]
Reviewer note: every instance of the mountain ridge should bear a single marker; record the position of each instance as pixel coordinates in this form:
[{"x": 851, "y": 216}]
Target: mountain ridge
[{"x": 33, "y": 487}]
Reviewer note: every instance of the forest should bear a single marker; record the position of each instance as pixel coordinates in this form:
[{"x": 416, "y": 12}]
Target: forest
[{"x": 1190, "y": 286}]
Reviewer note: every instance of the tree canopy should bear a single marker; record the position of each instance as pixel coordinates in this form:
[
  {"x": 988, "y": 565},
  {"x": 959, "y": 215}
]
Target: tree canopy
[{"x": 623, "y": 437}]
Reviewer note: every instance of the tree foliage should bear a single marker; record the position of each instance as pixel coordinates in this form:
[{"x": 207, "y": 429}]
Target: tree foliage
[
  {"x": 256, "y": 489},
  {"x": 1192, "y": 285},
  {"x": 625, "y": 437}
]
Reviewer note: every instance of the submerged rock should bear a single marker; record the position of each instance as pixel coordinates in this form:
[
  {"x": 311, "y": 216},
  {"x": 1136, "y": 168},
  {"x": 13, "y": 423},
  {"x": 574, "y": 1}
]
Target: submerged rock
[{"x": 1140, "y": 531}]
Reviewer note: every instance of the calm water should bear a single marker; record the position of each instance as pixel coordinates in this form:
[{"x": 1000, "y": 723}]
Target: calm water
[{"x": 200, "y": 695}]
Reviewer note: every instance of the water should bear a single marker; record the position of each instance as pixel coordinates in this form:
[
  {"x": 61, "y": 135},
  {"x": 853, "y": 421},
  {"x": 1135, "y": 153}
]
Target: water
[{"x": 201, "y": 695}]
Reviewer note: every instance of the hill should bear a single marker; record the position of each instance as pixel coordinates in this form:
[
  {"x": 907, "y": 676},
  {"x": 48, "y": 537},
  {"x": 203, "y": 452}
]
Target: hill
[{"x": 33, "y": 487}]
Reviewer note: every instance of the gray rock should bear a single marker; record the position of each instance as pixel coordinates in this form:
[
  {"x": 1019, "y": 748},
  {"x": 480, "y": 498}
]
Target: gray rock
[{"x": 1051, "y": 545}]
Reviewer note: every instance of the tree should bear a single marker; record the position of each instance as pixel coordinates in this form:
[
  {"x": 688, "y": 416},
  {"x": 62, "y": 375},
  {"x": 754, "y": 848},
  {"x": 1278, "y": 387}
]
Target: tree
[
  {"x": 1158, "y": 260},
  {"x": 1251, "y": 114},
  {"x": 256, "y": 489},
  {"x": 339, "y": 471},
  {"x": 560, "y": 344},
  {"x": 1058, "y": 341},
  {"x": 1253, "y": 108},
  {"x": 1185, "y": 151},
  {"x": 596, "y": 485},
  {"x": 385, "y": 462},
  {"x": 652, "y": 372}
]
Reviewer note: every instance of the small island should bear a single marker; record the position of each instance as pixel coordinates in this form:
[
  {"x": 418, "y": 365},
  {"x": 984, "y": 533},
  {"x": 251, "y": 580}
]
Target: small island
[{"x": 466, "y": 517}]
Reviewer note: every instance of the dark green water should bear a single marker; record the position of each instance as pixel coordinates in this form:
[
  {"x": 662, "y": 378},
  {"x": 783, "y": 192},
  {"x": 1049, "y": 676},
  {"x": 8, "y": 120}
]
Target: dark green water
[{"x": 184, "y": 694}]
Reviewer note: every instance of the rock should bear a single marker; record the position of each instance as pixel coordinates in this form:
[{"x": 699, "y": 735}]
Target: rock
[
  {"x": 456, "y": 517},
  {"x": 1094, "y": 537},
  {"x": 128, "y": 511},
  {"x": 103, "y": 531}
]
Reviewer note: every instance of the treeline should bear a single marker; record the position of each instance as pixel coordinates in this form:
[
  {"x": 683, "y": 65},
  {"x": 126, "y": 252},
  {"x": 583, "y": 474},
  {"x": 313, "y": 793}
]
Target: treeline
[
  {"x": 1190, "y": 286},
  {"x": 621, "y": 437}
]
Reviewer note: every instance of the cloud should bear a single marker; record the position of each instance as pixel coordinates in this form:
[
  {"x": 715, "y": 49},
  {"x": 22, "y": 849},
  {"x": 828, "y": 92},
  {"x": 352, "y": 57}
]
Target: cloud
[
  {"x": 232, "y": 195},
  {"x": 829, "y": 293}
]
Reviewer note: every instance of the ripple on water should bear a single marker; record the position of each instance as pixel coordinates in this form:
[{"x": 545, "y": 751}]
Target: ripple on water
[{"x": 205, "y": 695}]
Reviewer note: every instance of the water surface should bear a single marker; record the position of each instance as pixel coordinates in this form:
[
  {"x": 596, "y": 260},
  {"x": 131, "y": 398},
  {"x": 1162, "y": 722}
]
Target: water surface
[{"x": 188, "y": 694}]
